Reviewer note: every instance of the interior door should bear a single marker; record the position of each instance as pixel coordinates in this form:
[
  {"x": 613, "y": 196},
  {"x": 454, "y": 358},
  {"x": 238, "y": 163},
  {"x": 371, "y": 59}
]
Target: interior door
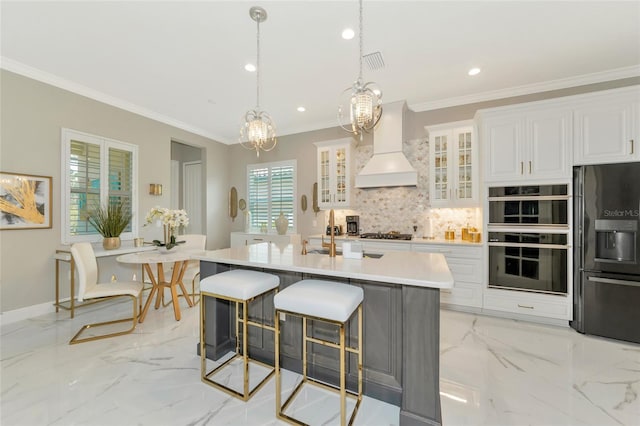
[{"x": 192, "y": 195}]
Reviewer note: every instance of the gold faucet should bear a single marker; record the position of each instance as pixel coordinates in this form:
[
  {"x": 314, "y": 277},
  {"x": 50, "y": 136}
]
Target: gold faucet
[
  {"x": 331, "y": 245},
  {"x": 304, "y": 247}
]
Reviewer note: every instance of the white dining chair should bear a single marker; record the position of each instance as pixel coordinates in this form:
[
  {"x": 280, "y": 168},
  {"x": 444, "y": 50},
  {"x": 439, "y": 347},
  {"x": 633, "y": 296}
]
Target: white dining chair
[{"x": 90, "y": 288}]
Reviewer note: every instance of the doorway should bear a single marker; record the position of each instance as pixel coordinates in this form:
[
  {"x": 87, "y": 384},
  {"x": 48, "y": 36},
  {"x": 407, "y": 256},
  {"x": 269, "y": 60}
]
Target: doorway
[{"x": 188, "y": 190}]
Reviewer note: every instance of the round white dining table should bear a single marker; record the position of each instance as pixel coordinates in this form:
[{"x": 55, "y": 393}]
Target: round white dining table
[{"x": 179, "y": 258}]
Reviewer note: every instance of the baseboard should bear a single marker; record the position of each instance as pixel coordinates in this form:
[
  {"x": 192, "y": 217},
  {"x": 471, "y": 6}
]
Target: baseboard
[{"x": 27, "y": 312}]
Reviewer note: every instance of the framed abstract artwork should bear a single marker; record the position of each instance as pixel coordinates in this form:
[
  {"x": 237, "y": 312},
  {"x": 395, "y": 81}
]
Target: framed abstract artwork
[{"x": 25, "y": 201}]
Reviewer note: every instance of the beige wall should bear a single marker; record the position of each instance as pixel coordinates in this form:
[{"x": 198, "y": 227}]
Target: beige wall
[
  {"x": 298, "y": 147},
  {"x": 32, "y": 114}
]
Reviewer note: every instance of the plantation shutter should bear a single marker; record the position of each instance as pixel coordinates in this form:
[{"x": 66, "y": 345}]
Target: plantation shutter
[
  {"x": 259, "y": 197},
  {"x": 120, "y": 178},
  {"x": 96, "y": 172},
  {"x": 84, "y": 179},
  {"x": 271, "y": 189},
  {"x": 282, "y": 193}
]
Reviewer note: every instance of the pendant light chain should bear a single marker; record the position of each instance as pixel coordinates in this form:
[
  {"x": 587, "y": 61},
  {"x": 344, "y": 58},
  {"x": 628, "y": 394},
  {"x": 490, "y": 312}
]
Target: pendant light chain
[
  {"x": 361, "y": 42},
  {"x": 361, "y": 103},
  {"x": 258, "y": 132},
  {"x": 258, "y": 64}
]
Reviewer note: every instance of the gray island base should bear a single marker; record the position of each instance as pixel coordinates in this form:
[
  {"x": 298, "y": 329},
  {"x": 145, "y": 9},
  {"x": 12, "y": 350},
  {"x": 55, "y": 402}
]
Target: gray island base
[{"x": 401, "y": 321}]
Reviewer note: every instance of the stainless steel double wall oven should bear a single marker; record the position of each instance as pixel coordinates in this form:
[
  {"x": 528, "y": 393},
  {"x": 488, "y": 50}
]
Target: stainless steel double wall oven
[{"x": 529, "y": 238}]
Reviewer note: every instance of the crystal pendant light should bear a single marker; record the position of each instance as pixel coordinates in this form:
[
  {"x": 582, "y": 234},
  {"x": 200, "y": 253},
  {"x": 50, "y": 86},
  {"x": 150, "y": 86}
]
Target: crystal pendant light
[
  {"x": 258, "y": 132},
  {"x": 362, "y": 100}
]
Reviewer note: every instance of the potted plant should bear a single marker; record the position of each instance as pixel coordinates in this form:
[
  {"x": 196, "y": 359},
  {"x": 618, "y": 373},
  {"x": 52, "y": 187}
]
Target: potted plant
[{"x": 110, "y": 222}]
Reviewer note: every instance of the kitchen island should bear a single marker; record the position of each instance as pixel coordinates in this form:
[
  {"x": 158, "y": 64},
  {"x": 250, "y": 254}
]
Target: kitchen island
[{"x": 401, "y": 320}]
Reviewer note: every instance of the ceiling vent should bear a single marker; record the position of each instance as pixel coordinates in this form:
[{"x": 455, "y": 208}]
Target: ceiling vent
[{"x": 374, "y": 61}]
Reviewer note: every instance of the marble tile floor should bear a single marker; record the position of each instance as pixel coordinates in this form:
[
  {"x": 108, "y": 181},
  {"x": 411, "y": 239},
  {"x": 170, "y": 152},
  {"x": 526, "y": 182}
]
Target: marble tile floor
[{"x": 494, "y": 371}]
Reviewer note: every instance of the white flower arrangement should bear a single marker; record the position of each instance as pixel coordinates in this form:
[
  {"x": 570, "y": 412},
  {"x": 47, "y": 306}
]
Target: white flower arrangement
[{"x": 171, "y": 220}]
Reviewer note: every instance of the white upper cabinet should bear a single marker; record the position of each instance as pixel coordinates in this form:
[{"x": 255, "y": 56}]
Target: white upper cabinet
[
  {"x": 335, "y": 173},
  {"x": 453, "y": 165},
  {"x": 548, "y": 133},
  {"x": 532, "y": 143},
  {"x": 607, "y": 128}
]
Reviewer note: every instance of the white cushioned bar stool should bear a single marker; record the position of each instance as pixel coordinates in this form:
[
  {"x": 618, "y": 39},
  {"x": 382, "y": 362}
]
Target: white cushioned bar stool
[
  {"x": 240, "y": 286},
  {"x": 330, "y": 302}
]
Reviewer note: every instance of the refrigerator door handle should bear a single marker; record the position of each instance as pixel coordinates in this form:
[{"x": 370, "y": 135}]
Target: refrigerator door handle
[{"x": 614, "y": 281}]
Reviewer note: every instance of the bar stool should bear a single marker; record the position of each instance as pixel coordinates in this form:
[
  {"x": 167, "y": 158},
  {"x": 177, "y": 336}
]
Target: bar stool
[
  {"x": 329, "y": 302},
  {"x": 240, "y": 286}
]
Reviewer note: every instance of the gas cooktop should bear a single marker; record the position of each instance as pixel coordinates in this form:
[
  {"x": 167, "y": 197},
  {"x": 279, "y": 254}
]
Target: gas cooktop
[{"x": 386, "y": 236}]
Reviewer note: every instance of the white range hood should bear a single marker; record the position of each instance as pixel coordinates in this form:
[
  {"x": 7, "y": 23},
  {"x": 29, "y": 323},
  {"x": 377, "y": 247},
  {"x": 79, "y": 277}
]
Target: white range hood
[{"x": 388, "y": 166}]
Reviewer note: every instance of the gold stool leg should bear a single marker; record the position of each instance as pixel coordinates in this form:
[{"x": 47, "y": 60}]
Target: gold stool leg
[
  {"x": 245, "y": 354},
  {"x": 343, "y": 393},
  {"x": 304, "y": 349},
  {"x": 276, "y": 338},
  {"x": 203, "y": 355},
  {"x": 360, "y": 337}
]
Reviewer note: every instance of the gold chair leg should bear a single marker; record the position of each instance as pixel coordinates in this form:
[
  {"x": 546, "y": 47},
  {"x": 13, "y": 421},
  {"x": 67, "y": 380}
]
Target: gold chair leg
[
  {"x": 76, "y": 339},
  {"x": 193, "y": 289}
]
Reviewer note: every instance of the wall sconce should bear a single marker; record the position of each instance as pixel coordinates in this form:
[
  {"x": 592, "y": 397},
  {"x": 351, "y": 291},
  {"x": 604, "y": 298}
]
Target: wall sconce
[{"x": 155, "y": 189}]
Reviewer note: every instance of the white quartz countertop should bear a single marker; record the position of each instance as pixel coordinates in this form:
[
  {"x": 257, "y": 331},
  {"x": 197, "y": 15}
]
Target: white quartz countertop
[
  {"x": 457, "y": 242},
  {"x": 405, "y": 268}
]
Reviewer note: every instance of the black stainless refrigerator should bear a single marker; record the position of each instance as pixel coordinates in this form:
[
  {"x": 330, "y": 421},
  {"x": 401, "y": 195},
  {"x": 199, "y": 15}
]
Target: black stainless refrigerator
[{"x": 606, "y": 256}]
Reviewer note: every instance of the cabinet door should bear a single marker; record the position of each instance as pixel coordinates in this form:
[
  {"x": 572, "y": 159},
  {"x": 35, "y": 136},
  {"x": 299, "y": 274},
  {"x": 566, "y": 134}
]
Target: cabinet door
[
  {"x": 441, "y": 189},
  {"x": 334, "y": 174},
  {"x": 464, "y": 167},
  {"x": 549, "y": 143},
  {"x": 238, "y": 240},
  {"x": 325, "y": 184},
  {"x": 453, "y": 171},
  {"x": 605, "y": 132},
  {"x": 503, "y": 147}
]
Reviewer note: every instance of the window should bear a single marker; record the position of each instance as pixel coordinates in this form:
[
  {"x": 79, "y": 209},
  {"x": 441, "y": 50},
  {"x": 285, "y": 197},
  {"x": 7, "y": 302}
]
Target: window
[
  {"x": 95, "y": 171},
  {"x": 271, "y": 189}
]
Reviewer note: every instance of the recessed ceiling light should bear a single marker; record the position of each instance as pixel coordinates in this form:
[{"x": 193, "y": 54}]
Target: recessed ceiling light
[
  {"x": 474, "y": 71},
  {"x": 301, "y": 109},
  {"x": 250, "y": 67},
  {"x": 348, "y": 34}
]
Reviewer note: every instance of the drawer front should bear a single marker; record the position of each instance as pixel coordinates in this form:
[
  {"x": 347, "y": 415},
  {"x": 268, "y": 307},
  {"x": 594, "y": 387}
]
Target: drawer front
[
  {"x": 449, "y": 250},
  {"x": 384, "y": 247},
  {"x": 462, "y": 293},
  {"x": 469, "y": 270},
  {"x": 528, "y": 306}
]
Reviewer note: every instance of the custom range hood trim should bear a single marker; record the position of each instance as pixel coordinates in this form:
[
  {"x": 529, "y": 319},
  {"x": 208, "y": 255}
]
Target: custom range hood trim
[{"x": 388, "y": 166}]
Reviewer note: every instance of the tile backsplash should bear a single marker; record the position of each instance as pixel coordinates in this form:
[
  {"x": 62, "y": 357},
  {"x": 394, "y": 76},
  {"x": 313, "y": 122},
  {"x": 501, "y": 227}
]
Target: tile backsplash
[{"x": 402, "y": 208}]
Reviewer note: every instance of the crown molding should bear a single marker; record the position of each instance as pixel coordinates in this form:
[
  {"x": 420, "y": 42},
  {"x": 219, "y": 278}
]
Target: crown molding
[
  {"x": 581, "y": 80},
  {"x": 48, "y": 78},
  {"x": 54, "y": 80}
]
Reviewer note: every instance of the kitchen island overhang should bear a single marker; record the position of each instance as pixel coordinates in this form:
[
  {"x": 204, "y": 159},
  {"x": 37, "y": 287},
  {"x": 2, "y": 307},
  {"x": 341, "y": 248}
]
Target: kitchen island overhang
[{"x": 401, "y": 319}]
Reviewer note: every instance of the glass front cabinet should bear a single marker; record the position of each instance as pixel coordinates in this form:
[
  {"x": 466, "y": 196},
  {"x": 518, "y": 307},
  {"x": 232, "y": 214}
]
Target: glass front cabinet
[
  {"x": 453, "y": 165},
  {"x": 335, "y": 173}
]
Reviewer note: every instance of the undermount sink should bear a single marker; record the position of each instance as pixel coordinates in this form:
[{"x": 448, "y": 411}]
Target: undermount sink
[{"x": 339, "y": 253}]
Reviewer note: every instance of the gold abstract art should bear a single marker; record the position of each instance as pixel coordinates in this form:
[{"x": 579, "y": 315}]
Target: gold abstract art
[{"x": 25, "y": 201}]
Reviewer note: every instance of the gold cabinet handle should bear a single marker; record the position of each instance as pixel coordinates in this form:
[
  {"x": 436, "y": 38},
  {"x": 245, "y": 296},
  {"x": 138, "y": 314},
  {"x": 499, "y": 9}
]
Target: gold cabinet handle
[
  {"x": 525, "y": 306},
  {"x": 631, "y": 146},
  {"x": 529, "y": 166},
  {"x": 522, "y": 167}
]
